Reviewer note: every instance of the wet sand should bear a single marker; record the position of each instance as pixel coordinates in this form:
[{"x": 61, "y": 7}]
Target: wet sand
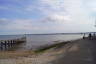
[{"x": 76, "y": 52}]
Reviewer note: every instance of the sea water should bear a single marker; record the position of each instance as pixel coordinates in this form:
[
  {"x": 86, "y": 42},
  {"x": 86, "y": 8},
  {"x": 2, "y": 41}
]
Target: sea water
[{"x": 35, "y": 41}]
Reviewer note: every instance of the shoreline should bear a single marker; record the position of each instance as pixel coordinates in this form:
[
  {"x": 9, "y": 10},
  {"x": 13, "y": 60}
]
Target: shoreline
[
  {"x": 16, "y": 54},
  {"x": 44, "y": 57}
]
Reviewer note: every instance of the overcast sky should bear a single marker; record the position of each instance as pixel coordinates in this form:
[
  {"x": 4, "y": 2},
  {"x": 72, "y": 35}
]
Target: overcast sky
[{"x": 47, "y": 16}]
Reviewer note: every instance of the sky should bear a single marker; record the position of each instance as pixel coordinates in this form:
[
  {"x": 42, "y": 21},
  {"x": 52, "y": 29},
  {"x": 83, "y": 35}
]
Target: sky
[{"x": 47, "y": 16}]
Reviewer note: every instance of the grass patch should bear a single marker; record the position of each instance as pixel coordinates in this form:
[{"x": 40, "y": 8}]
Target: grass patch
[
  {"x": 57, "y": 45},
  {"x": 16, "y": 54}
]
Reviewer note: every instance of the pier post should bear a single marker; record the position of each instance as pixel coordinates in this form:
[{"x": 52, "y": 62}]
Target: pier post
[
  {"x": 11, "y": 43},
  {"x": 5, "y": 44},
  {"x": 1, "y": 45},
  {"x": 8, "y": 44}
]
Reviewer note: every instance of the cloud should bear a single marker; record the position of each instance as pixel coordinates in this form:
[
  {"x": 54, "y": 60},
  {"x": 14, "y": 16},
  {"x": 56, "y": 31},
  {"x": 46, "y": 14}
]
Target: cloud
[
  {"x": 71, "y": 14},
  {"x": 17, "y": 24},
  {"x": 22, "y": 24},
  {"x": 54, "y": 16},
  {"x": 4, "y": 21},
  {"x": 47, "y": 7},
  {"x": 90, "y": 6},
  {"x": 4, "y": 8}
]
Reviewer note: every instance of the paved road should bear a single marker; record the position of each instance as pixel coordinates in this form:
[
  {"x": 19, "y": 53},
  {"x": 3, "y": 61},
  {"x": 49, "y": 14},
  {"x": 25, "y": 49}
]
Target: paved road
[{"x": 82, "y": 52}]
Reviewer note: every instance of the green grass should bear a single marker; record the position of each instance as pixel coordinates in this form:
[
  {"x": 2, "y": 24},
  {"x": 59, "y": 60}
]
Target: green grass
[
  {"x": 14, "y": 54},
  {"x": 57, "y": 45}
]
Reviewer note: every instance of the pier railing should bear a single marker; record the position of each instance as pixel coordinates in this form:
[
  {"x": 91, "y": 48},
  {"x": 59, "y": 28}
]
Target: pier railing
[{"x": 8, "y": 44}]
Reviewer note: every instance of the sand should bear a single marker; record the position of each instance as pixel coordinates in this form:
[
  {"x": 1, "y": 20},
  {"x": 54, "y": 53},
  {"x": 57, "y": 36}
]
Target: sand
[{"x": 76, "y": 52}]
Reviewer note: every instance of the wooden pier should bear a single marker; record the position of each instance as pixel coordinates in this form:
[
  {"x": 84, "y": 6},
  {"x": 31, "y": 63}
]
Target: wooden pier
[{"x": 8, "y": 44}]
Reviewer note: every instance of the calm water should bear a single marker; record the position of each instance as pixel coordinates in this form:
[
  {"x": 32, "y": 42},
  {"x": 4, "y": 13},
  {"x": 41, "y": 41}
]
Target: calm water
[{"x": 35, "y": 41}]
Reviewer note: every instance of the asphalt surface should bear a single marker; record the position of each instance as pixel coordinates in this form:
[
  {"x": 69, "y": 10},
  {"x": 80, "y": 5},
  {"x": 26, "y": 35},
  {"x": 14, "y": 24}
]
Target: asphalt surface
[{"x": 81, "y": 52}]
